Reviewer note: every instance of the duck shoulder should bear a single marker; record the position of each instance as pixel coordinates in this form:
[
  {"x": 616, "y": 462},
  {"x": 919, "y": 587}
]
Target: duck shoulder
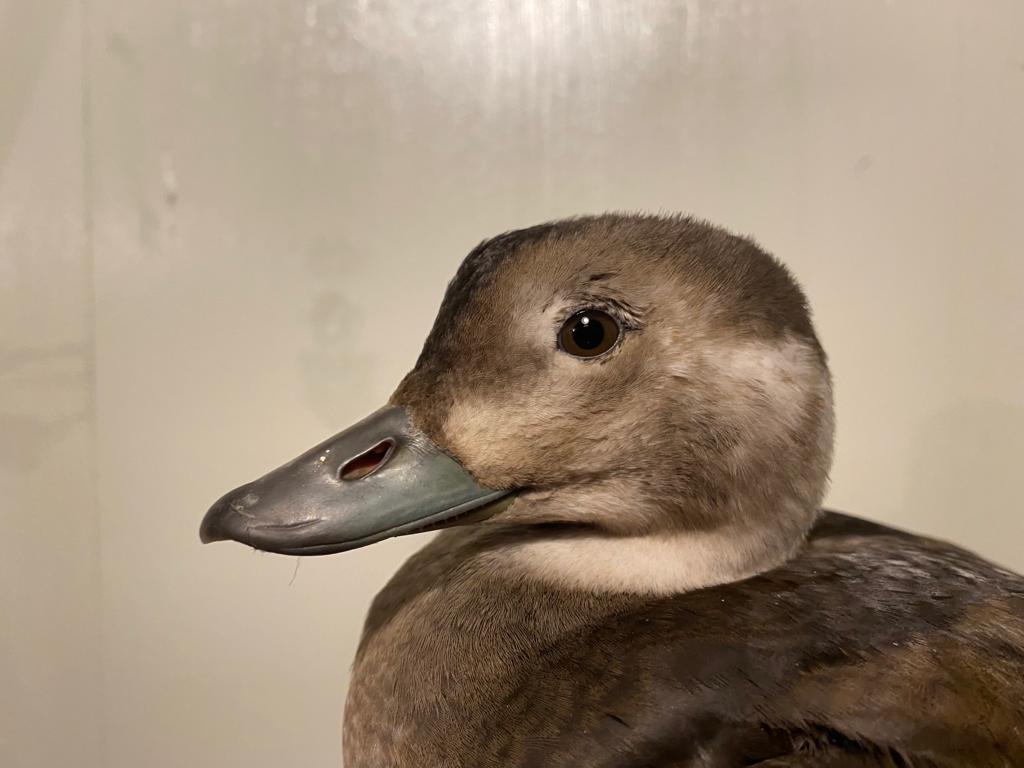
[{"x": 872, "y": 647}]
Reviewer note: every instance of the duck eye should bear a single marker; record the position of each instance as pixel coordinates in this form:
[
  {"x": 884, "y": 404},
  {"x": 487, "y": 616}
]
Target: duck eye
[{"x": 588, "y": 333}]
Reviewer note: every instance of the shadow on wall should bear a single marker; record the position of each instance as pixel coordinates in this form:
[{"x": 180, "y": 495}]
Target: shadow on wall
[
  {"x": 337, "y": 365},
  {"x": 963, "y": 462},
  {"x": 44, "y": 392}
]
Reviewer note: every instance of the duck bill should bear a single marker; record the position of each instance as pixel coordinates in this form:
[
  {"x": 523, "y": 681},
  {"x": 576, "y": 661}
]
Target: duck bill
[{"x": 379, "y": 478}]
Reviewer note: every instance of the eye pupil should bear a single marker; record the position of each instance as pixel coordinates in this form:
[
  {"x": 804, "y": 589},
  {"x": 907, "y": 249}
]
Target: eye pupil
[{"x": 587, "y": 333}]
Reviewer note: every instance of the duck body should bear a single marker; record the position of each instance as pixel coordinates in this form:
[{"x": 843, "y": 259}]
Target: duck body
[{"x": 870, "y": 647}]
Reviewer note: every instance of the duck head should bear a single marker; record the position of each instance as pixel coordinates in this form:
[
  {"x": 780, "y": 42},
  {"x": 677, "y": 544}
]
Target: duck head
[{"x": 641, "y": 399}]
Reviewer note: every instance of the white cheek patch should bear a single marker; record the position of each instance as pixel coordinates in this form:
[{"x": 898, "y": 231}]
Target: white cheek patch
[
  {"x": 476, "y": 430},
  {"x": 492, "y": 436},
  {"x": 771, "y": 385}
]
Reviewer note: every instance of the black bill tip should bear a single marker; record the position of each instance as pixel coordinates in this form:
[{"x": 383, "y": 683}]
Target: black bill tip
[{"x": 215, "y": 525}]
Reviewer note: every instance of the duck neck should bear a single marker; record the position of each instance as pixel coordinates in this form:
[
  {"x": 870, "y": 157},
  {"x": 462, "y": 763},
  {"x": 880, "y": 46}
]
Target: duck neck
[{"x": 661, "y": 562}]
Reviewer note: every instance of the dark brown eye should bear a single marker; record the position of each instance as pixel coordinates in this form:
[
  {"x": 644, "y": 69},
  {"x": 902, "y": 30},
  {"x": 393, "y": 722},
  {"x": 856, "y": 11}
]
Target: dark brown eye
[{"x": 588, "y": 333}]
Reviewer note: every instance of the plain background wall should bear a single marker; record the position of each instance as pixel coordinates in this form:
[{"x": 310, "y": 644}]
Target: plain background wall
[{"x": 225, "y": 228}]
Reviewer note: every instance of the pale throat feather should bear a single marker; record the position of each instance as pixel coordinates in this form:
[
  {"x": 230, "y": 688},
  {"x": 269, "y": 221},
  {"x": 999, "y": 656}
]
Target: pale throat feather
[{"x": 652, "y": 564}]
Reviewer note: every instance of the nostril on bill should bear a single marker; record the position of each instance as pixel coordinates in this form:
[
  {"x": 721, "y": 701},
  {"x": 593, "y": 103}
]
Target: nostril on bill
[
  {"x": 367, "y": 462},
  {"x": 242, "y": 504}
]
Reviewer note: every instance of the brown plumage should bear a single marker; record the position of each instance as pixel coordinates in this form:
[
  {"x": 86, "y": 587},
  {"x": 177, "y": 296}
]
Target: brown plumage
[
  {"x": 870, "y": 647},
  {"x": 862, "y": 646},
  {"x": 657, "y": 585}
]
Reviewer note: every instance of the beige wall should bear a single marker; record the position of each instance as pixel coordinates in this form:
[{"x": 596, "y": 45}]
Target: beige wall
[
  {"x": 225, "y": 228},
  {"x": 49, "y": 565}
]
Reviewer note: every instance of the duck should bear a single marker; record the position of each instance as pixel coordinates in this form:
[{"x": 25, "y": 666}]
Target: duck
[{"x": 622, "y": 426}]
